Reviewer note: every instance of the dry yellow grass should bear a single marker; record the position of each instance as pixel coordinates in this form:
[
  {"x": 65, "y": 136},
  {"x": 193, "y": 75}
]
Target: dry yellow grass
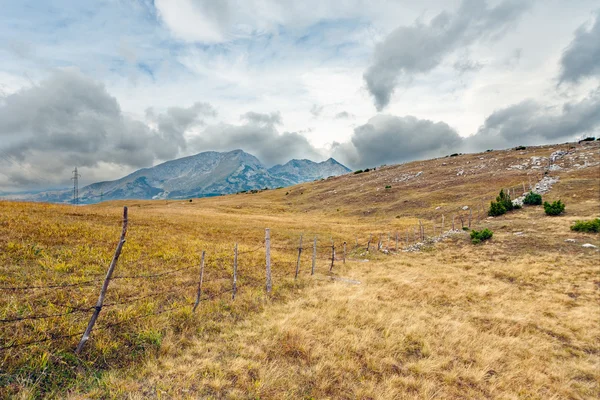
[{"x": 516, "y": 317}]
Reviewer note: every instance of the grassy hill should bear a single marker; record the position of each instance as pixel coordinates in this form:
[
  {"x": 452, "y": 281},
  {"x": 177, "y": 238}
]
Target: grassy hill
[{"x": 513, "y": 317}]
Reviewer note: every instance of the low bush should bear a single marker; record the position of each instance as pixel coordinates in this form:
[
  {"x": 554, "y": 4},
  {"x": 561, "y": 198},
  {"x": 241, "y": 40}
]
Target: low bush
[
  {"x": 454, "y": 155},
  {"x": 520, "y": 148},
  {"x": 588, "y": 139},
  {"x": 592, "y": 225},
  {"x": 554, "y": 208},
  {"x": 480, "y": 236},
  {"x": 496, "y": 209},
  {"x": 533, "y": 199},
  {"x": 360, "y": 171},
  {"x": 388, "y": 187}
]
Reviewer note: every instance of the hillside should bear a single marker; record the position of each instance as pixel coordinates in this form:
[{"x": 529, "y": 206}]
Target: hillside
[{"x": 515, "y": 317}]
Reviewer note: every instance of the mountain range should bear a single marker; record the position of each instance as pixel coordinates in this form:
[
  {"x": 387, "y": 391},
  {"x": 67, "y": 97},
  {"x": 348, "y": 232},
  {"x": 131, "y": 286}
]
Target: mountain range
[{"x": 205, "y": 174}]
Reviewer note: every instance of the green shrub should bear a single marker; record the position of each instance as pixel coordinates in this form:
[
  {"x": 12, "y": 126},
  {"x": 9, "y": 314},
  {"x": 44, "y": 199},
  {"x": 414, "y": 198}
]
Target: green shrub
[
  {"x": 533, "y": 199},
  {"x": 588, "y": 139},
  {"x": 592, "y": 225},
  {"x": 555, "y": 208},
  {"x": 520, "y": 148},
  {"x": 454, "y": 155},
  {"x": 360, "y": 171},
  {"x": 504, "y": 199},
  {"x": 480, "y": 236},
  {"x": 496, "y": 209},
  {"x": 388, "y": 187}
]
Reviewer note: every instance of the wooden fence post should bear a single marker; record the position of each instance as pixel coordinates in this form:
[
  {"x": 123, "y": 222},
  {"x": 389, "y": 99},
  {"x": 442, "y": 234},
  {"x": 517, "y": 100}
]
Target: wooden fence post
[
  {"x": 344, "y": 255},
  {"x": 453, "y": 218},
  {"x": 314, "y": 259},
  {"x": 396, "y": 241},
  {"x": 407, "y": 240},
  {"x": 369, "y": 242},
  {"x": 200, "y": 283},
  {"x": 268, "y": 251},
  {"x": 332, "y": 254},
  {"x": 100, "y": 302},
  {"x": 470, "y": 216},
  {"x": 524, "y": 191},
  {"x": 299, "y": 254},
  {"x": 235, "y": 254},
  {"x": 422, "y": 231},
  {"x": 379, "y": 242},
  {"x": 415, "y": 233},
  {"x": 434, "y": 227},
  {"x": 443, "y": 220}
]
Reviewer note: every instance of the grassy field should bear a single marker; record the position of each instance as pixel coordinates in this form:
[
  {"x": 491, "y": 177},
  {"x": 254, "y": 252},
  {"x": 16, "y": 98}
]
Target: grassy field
[{"x": 515, "y": 317}]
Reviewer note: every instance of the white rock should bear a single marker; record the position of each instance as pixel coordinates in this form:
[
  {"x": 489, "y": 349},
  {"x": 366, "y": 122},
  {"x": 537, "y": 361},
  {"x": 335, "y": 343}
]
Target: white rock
[
  {"x": 518, "y": 233},
  {"x": 555, "y": 167},
  {"x": 465, "y": 207},
  {"x": 460, "y": 173},
  {"x": 438, "y": 207},
  {"x": 419, "y": 173},
  {"x": 589, "y": 246},
  {"x": 570, "y": 240}
]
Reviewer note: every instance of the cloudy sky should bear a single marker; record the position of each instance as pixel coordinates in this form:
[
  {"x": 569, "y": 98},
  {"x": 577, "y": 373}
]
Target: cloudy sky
[{"x": 116, "y": 85}]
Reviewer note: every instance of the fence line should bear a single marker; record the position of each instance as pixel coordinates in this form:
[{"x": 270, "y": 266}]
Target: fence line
[{"x": 285, "y": 269}]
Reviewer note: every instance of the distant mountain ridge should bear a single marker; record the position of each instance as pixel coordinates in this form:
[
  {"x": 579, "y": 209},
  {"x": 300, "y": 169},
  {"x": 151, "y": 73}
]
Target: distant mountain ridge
[{"x": 205, "y": 174}]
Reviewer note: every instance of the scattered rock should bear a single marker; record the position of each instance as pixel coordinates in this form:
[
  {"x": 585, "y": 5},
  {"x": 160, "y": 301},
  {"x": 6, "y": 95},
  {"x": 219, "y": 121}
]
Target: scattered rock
[
  {"x": 465, "y": 208},
  {"x": 518, "y": 233},
  {"x": 438, "y": 207},
  {"x": 460, "y": 173},
  {"x": 589, "y": 246},
  {"x": 570, "y": 240},
  {"x": 419, "y": 174},
  {"x": 555, "y": 167},
  {"x": 557, "y": 155}
]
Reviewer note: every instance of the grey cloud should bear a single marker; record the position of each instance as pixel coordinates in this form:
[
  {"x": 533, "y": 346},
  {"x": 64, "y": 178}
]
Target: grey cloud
[
  {"x": 273, "y": 118},
  {"x": 465, "y": 66},
  {"x": 316, "y": 110},
  {"x": 258, "y": 136},
  {"x": 530, "y": 122},
  {"x": 581, "y": 59},
  {"x": 386, "y": 139},
  {"x": 344, "y": 115},
  {"x": 419, "y": 48},
  {"x": 69, "y": 120}
]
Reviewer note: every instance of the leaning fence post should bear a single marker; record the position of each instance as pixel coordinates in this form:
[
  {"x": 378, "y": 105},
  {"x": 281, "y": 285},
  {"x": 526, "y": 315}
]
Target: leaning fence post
[
  {"x": 111, "y": 268},
  {"x": 268, "y": 256},
  {"x": 199, "y": 283},
  {"x": 332, "y": 255},
  {"x": 344, "y": 254},
  {"x": 314, "y": 260},
  {"x": 379, "y": 242},
  {"x": 299, "y": 253},
  {"x": 369, "y": 242},
  {"x": 235, "y": 254}
]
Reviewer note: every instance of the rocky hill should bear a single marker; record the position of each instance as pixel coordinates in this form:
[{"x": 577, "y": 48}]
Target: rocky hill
[{"x": 202, "y": 175}]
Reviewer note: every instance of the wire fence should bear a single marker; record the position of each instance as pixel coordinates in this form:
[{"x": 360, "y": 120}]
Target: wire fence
[{"x": 285, "y": 261}]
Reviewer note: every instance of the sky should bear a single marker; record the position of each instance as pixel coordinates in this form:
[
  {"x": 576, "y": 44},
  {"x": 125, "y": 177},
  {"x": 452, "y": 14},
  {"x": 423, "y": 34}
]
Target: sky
[{"x": 111, "y": 86}]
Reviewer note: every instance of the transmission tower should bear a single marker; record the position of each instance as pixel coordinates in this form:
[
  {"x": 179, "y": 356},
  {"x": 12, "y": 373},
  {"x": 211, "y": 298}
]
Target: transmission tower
[{"x": 75, "y": 179}]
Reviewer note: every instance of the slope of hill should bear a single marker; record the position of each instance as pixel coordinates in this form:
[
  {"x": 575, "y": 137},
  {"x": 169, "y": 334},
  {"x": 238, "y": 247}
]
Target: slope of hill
[
  {"x": 514, "y": 317},
  {"x": 204, "y": 174}
]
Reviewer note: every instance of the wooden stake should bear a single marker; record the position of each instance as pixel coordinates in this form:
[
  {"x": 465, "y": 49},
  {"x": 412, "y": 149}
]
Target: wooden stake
[
  {"x": 344, "y": 256},
  {"x": 524, "y": 191},
  {"x": 379, "y": 242},
  {"x": 200, "y": 283},
  {"x": 422, "y": 231},
  {"x": 453, "y": 218},
  {"x": 235, "y": 254},
  {"x": 369, "y": 242},
  {"x": 299, "y": 254},
  {"x": 268, "y": 251},
  {"x": 332, "y": 255},
  {"x": 314, "y": 260},
  {"x": 396, "y": 241},
  {"x": 470, "y": 216},
  {"x": 100, "y": 302},
  {"x": 443, "y": 220}
]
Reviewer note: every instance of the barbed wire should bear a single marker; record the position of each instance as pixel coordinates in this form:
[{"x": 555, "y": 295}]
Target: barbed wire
[
  {"x": 58, "y": 286},
  {"x": 152, "y": 275},
  {"x": 34, "y": 317}
]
